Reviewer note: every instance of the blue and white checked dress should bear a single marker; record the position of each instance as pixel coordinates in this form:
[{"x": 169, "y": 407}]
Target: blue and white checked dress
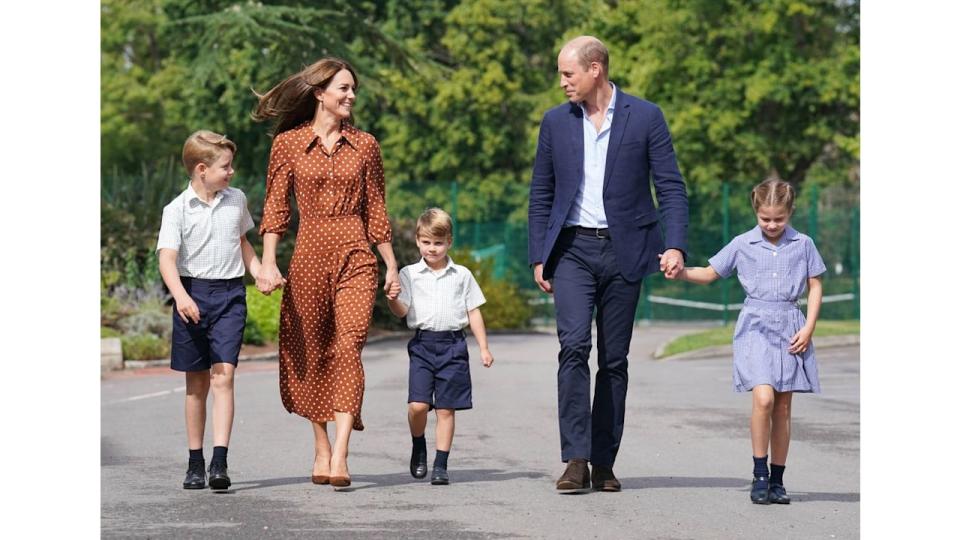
[{"x": 774, "y": 277}]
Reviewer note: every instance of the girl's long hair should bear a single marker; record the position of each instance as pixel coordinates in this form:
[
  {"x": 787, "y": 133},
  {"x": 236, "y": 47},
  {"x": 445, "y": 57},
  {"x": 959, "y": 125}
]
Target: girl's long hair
[{"x": 292, "y": 101}]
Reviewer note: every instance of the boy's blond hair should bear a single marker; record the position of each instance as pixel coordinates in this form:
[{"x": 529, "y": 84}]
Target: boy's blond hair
[
  {"x": 435, "y": 223},
  {"x": 205, "y": 146},
  {"x": 772, "y": 192}
]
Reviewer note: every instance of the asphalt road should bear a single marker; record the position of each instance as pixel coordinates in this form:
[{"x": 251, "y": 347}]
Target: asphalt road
[{"x": 684, "y": 460}]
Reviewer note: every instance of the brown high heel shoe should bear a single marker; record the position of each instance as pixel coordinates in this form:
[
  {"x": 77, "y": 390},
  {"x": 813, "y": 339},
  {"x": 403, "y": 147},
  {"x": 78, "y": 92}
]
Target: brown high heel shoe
[
  {"x": 319, "y": 479},
  {"x": 339, "y": 481}
]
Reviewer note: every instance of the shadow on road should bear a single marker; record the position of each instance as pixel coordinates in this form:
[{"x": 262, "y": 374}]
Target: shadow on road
[
  {"x": 458, "y": 476},
  {"x": 367, "y": 481},
  {"x": 270, "y": 482}
]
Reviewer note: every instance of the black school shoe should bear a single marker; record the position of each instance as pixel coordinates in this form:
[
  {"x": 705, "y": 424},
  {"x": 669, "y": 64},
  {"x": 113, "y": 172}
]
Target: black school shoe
[
  {"x": 196, "y": 476},
  {"x": 440, "y": 477},
  {"x": 760, "y": 490},
  {"x": 778, "y": 494},
  {"x": 218, "y": 475},
  {"x": 418, "y": 462}
]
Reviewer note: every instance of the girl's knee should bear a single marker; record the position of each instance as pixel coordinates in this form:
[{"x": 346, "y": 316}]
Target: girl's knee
[{"x": 763, "y": 400}]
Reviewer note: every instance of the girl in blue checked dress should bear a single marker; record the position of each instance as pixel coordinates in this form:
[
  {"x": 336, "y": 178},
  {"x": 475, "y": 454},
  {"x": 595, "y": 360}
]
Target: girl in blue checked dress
[{"x": 772, "y": 348}]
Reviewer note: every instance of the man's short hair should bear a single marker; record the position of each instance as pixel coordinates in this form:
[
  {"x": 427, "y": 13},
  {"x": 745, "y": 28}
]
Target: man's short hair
[{"x": 593, "y": 50}]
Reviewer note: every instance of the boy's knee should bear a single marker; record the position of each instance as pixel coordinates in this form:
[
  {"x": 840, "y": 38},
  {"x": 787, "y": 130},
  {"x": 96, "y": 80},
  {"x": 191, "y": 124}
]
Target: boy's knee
[
  {"x": 417, "y": 407},
  {"x": 445, "y": 414},
  {"x": 221, "y": 376},
  {"x": 198, "y": 382}
]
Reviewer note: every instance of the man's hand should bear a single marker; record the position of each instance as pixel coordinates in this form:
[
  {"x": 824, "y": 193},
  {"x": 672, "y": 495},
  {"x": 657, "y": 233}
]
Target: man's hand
[
  {"x": 544, "y": 285},
  {"x": 671, "y": 263}
]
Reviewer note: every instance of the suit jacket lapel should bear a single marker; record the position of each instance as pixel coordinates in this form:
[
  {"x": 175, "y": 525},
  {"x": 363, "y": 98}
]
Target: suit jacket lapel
[
  {"x": 621, "y": 115},
  {"x": 576, "y": 138}
]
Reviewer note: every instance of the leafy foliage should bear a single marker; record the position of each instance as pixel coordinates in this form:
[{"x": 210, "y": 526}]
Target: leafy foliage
[
  {"x": 506, "y": 307},
  {"x": 263, "y": 316},
  {"x": 455, "y": 89},
  {"x": 145, "y": 347}
]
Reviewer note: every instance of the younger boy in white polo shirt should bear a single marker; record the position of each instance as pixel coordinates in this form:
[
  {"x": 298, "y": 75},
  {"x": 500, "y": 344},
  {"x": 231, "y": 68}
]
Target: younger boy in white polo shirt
[
  {"x": 203, "y": 251},
  {"x": 438, "y": 299}
]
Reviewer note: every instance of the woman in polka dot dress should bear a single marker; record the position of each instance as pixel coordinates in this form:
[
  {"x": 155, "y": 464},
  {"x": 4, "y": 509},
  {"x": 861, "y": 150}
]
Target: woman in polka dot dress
[{"x": 336, "y": 174}]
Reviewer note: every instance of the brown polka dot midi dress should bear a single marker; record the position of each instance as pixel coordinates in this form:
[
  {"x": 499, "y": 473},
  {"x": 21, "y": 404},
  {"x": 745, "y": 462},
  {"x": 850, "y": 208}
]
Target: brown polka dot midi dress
[{"x": 332, "y": 279}]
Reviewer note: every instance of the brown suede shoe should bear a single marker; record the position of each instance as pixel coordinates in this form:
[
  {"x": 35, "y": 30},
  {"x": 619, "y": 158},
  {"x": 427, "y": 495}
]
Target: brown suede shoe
[
  {"x": 603, "y": 479},
  {"x": 575, "y": 477}
]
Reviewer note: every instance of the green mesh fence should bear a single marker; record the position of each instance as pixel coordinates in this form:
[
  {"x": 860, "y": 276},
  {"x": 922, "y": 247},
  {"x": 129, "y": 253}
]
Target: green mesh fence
[{"x": 831, "y": 217}]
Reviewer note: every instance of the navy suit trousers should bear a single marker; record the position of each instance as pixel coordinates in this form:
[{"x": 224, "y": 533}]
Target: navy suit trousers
[{"x": 587, "y": 278}]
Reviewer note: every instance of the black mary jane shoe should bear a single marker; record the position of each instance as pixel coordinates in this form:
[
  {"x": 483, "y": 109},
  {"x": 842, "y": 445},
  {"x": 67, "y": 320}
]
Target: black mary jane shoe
[
  {"x": 439, "y": 477},
  {"x": 218, "y": 475},
  {"x": 196, "y": 475},
  {"x": 778, "y": 494},
  {"x": 760, "y": 490},
  {"x": 418, "y": 463}
]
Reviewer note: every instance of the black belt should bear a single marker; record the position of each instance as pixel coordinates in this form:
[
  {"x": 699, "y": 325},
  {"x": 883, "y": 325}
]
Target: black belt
[
  {"x": 598, "y": 233},
  {"x": 433, "y": 334}
]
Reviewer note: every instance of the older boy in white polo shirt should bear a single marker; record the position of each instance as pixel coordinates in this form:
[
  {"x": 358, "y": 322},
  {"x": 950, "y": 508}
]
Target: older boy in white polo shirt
[
  {"x": 203, "y": 251},
  {"x": 438, "y": 299}
]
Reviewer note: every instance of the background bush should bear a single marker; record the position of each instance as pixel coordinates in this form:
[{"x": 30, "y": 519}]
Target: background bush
[
  {"x": 263, "y": 316},
  {"x": 145, "y": 347},
  {"x": 506, "y": 306}
]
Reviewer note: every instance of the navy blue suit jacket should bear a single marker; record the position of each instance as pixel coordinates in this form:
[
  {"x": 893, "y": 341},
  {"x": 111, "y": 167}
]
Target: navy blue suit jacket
[{"x": 640, "y": 146}]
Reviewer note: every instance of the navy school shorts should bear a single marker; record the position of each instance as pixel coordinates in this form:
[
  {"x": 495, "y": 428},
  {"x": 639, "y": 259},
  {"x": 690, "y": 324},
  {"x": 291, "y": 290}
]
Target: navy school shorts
[
  {"x": 218, "y": 335},
  {"x": 440, "y": 370}
]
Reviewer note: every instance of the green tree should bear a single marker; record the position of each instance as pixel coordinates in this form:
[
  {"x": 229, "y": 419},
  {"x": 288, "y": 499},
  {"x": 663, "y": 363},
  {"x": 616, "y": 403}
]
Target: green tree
[
  {"x": 750, "y": 89},
  {"x": 170, "y": 67},
  {"x": 472, "y": 120}
]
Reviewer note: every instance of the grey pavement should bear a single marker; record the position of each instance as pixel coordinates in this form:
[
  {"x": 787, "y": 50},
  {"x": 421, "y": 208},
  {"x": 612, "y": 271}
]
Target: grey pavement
[{"x": 684, "y": 460}]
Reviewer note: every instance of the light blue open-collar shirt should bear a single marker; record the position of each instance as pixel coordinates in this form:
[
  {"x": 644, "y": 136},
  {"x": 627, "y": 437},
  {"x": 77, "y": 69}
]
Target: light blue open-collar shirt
[{"x": 587, "y": 209}]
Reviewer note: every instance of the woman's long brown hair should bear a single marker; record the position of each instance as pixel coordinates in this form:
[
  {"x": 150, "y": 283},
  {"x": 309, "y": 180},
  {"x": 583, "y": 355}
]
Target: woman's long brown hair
[{"x": 292, "y": 101}]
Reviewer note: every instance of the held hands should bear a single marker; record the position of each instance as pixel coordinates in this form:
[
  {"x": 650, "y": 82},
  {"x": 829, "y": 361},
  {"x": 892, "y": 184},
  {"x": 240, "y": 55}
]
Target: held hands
[
  {"x": 391, "y": 284},
  {"x": 486, "y": 357},
  {"x": 394, "y": 292},
  {"x": 187, "y": 309},
  {"x": 269, "y": 279},
  {"x": 801, "y": 340},
  {"x": 671, "y": 263}
]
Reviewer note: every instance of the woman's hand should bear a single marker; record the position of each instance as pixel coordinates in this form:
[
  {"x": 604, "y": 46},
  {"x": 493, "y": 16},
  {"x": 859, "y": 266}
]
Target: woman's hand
[
  {"x": 391, "y": 283},
  {"x": 269, "y": 278},
  {"x": 394, "y": 292}
]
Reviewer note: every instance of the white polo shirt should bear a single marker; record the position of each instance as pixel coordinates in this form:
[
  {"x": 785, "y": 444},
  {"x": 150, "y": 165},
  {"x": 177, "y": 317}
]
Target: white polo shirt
[
  {"x": 205, "y": 236},
  {"x": 439, "y": 300}
]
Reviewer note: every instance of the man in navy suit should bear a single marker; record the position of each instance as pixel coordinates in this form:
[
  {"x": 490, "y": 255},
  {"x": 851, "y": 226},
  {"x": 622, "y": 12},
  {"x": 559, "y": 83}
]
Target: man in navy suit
[{"x": 594, "y": 234}]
